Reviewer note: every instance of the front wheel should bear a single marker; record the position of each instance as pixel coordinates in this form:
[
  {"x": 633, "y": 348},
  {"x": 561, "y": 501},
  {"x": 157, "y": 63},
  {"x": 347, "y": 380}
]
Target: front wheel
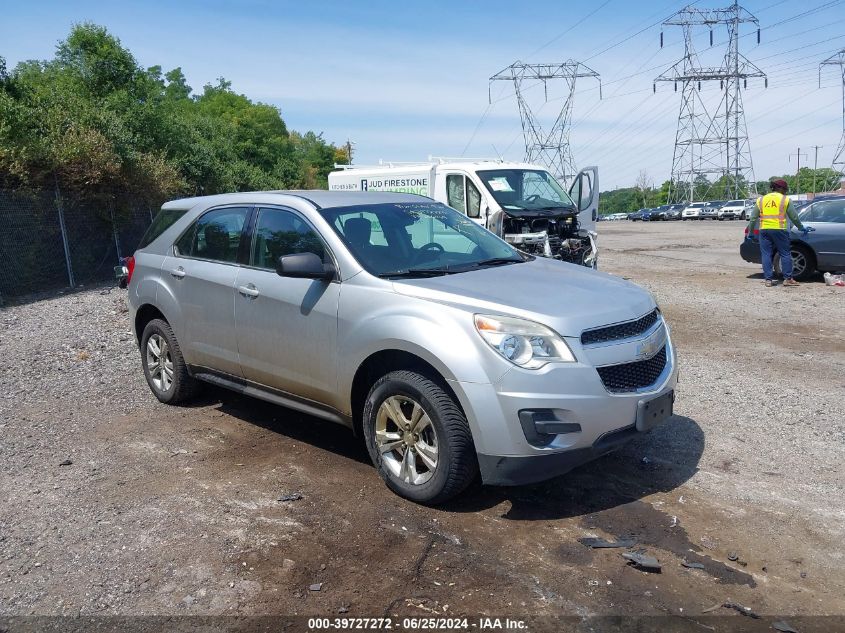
[{"x": 418, "y": 438}]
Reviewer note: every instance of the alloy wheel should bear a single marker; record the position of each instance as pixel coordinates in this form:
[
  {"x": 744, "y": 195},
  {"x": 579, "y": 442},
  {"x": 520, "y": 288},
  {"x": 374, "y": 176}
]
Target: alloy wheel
[
  {"x": 799, "y": 263},
  {"x": 159, "y": 362},
  {"x": 406, "y": 439}
]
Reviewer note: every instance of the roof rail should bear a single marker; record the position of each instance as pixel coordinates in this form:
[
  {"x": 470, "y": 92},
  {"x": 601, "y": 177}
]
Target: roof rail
[
  {"x": 439, "y": 160},
  {"x": 462, "y": 159}
]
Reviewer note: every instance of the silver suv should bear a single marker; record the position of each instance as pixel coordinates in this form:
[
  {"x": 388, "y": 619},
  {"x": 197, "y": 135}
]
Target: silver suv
[{"x": 448, "y": 350}]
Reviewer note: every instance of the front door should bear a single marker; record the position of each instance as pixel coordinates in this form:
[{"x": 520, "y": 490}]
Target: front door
[
  {"x": 585, "y": 194},
  {"x": 201, "y": 275},
  {"x": 286, "y": 327}
]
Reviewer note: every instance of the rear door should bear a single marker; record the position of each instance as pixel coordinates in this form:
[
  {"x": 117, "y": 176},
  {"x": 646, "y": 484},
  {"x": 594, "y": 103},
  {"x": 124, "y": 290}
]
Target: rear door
[
  {"x": 828, "y": 240},
  {"x": 585, "y": 194},
  {"x": 286, "y": 327},
  {"x": 201, "y": 274}
]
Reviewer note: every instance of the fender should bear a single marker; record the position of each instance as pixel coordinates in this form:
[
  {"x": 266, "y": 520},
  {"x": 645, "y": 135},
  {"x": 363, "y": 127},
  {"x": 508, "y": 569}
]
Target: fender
[{"x": 448, "y": 344}]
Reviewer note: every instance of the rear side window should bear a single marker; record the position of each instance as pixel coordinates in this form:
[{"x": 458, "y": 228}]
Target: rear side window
[
  {"x": 215, "y": 235},
  {"x": 163, "y": 221}
]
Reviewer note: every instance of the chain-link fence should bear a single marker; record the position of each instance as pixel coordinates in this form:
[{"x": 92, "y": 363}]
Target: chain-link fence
[{"x": 50, "y": 241}]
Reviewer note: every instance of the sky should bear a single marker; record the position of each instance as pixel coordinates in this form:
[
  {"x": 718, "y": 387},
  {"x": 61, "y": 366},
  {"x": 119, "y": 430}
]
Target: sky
[{"x": 407, "y": 80}]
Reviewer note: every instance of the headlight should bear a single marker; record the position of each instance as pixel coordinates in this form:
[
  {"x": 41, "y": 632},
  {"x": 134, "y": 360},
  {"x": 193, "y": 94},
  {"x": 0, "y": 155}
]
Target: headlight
[{"x": 522, "y": 342}]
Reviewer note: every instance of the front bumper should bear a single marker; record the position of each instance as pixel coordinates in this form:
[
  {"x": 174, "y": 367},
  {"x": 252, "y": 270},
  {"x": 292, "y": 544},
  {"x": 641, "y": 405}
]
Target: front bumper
[{"x": 591, "y": 420}]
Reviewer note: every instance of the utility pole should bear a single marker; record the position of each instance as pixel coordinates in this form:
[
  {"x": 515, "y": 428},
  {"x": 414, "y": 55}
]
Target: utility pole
[
  {"x": 838, "y": 59},
  {"x": 797, "y": 170},
  {"x": 551, "y": 148},
  {"x": 816, "y": 166},
  {"x": 348, "y": 146},
  {"x": 711, "y": 144}
]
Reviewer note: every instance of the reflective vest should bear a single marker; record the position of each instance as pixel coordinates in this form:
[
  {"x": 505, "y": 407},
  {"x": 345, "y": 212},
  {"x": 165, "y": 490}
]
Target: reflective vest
[{"x": 772, "y": 208}]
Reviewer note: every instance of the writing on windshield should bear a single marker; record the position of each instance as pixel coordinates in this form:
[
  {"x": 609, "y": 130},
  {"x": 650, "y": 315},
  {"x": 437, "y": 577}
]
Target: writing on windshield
[{"x": 530, "y": 189}]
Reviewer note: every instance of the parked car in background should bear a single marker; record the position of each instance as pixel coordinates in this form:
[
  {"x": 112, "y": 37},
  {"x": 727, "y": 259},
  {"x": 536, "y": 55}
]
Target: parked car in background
[
  {"x": 647, "y": 215},
  {"x": 693, "y": 211},
  {"x": 823, "y": 250},
  {"x": 636, "y": 216},
  {"x": 615, "y": 217},
  {"x": 659, "y": 213},
  {"x": 732, "y": 210},
  {"x": 711, "y": 210},
  {"x": 674, "y": 212},
  {"x": 407, "y": 322}
]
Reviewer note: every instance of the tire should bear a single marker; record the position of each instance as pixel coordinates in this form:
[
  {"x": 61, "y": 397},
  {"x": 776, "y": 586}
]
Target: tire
[
  {"x": 803, "y": 262},
  {"x": 173, "y": 384},
  {"x": 403, "y": 457}
]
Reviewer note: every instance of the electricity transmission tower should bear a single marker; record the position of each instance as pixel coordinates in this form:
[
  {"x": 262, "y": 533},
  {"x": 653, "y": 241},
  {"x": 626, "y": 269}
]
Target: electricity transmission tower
[
  {"x": 837, "y": 59},
  {"x": 549, "y": 148},
  {"x": 711, "y": 142}
]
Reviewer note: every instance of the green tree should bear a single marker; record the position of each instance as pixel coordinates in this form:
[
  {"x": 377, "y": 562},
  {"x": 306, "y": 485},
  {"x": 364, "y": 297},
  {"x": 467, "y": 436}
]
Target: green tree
[{"x": 94, "y": 122}]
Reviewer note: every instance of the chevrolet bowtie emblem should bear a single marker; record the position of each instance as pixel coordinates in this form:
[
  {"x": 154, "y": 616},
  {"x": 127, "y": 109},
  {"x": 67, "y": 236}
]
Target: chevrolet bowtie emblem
[{"x": 651, "y": 345}]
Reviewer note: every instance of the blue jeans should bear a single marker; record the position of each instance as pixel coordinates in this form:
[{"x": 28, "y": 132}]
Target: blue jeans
[{"x": 771, "y": 241}]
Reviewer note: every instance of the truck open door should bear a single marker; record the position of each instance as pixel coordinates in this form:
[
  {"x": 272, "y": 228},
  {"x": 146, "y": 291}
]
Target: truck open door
[{"x": 585, "y": 194}]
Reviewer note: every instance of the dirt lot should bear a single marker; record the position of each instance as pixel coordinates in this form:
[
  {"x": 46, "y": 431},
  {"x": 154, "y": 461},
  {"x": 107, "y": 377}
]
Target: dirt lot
[{"x": 171, "y": 511}]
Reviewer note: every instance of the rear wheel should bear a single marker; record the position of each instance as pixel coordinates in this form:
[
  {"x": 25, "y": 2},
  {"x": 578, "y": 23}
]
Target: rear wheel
[
  {"x": 164, "y": 367},
  {"x": 803, "y": 263},
  {"x": 418, "y": 438}
]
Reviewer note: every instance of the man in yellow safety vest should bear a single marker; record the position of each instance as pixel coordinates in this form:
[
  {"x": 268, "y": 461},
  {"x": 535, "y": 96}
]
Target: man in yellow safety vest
[{"x": 772, "y": 211}]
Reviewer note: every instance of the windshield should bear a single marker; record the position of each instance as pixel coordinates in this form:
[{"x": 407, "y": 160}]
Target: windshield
[
  {"x": 525, "y": 189},
  {"x": 417, "y": 238}
]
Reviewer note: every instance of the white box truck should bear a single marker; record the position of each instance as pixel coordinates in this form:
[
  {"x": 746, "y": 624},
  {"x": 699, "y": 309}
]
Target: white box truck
[{"x": 521, "y": 203}]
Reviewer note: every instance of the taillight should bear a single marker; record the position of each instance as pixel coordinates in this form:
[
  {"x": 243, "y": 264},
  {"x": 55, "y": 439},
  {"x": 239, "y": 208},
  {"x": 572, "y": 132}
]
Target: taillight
[{"x": 130, "y": 267}]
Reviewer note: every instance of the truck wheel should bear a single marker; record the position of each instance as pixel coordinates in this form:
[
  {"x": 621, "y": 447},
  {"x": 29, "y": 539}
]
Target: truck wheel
[
  {"x": 418, "y": 438},
  {"x": 164, "y": 367}
]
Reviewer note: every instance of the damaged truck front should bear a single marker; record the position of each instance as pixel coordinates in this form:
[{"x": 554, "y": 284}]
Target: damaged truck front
[
  {"x": 520, "y": 202},
  {"x": 537, "y": 216}
]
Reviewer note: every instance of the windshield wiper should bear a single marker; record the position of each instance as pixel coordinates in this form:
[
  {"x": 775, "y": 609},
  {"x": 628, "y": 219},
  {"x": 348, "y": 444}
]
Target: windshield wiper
[
  {"x": 498, "y": 261},
  {"x": 419, "y": 272}
]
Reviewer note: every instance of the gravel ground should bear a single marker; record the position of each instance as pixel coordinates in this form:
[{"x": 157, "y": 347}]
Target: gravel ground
[{"x": 169, "y": 511}]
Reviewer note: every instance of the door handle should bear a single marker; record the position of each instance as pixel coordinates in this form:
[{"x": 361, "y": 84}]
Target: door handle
[
  {"x": 249, "y": 291},
  {"x": 178, "y": 272}
]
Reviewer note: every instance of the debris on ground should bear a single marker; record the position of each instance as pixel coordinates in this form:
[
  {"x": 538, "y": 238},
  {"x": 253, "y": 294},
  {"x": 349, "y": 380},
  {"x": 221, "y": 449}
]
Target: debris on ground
[
  {"x": 343, "y": 609},
  {"x": 642, "y": 561},
  {"x": 600, "y": 543},
  {"x": 692, "y": 565},
  {"x": 733, "y": 556},
  {"x": 294, "y": 496},
  {"x": 708, "y": 542},
  {"x": 67, "y": 462},
  {"x": 315, "y": 587},
  {"x": 783, "y": 626},
  {"x": 746, "y": 611}
]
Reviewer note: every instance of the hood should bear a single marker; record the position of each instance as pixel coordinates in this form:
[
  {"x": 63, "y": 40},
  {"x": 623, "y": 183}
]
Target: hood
[
  {"x": 566, "y": 297},
  {"x": 553, "y": 214}
]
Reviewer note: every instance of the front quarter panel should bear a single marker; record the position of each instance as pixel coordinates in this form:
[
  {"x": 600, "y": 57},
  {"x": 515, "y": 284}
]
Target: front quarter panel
[{"x": 373, "y": 319}]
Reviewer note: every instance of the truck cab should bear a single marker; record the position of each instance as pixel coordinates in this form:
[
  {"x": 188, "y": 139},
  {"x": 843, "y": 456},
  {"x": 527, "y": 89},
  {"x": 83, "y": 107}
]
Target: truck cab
[{"x": 522, "y": 203}]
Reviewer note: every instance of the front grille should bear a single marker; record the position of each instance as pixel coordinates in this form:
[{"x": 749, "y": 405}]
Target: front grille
[
  {"x": 633, "y": 376},
  {"x": 620, "y": 330}
]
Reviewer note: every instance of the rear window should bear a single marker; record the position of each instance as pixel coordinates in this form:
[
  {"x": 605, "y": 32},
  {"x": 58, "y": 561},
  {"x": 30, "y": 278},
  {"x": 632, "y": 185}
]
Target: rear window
[{"x": 163, "y": 221}]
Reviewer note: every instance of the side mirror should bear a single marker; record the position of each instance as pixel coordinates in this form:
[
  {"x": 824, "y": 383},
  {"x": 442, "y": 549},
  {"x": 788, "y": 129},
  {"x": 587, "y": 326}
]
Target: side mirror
[{"x": 304, "y": 266}]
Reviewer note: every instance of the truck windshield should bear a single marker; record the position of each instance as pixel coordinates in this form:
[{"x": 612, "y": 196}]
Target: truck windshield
[
  {"x": 417, "y": 239},
  {"x": 525, "y": 189}
]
